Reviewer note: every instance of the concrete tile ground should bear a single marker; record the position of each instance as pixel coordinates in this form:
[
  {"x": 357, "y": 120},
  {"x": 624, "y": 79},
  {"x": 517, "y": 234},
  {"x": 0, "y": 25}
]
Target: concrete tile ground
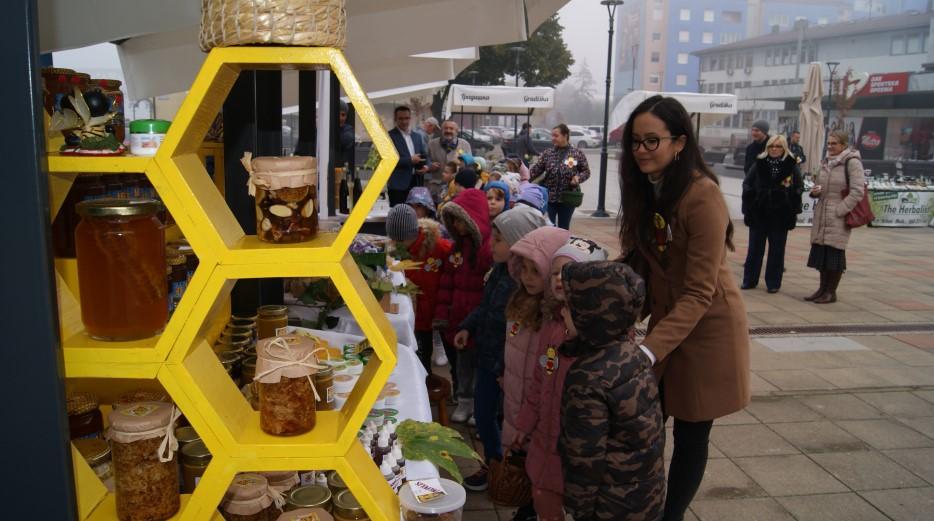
[{"x": 829, "y": 436}]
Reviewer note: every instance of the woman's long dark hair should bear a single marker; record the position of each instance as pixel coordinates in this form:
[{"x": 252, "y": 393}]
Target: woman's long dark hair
[{"x": 639, "y": 204}]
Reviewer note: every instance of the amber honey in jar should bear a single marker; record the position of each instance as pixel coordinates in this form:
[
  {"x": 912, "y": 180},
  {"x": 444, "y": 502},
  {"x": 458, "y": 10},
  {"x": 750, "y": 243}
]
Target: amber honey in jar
[
  {"x": 324, "y": 383},
  {"x": 195, "y": 460},
  {"x": 285, "y": 189},
  {"x": 249, "y": 498},
  {"x": 285, "y": 369},
  {"x": 270, "y": 319},
  {"x": 145, "y": 472},
  {"x": 120, "y": 246},
  {"x": 84, "y": 416},
  {"x": 347, "y": 508}
]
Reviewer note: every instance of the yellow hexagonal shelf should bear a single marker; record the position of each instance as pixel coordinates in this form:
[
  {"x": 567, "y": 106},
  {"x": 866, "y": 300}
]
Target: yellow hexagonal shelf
[{"x": 178, "y": 158}]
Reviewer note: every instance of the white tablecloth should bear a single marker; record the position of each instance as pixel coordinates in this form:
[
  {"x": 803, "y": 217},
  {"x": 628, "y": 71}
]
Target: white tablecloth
[
  {"x": 409, "y": 377},
  {"x": 402, "y": 322}
]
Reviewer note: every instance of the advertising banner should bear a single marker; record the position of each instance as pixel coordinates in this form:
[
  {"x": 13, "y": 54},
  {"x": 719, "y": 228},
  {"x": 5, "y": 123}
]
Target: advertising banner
[
  {"x": 883, "y": 84},
  {"x": 871, "y": 140},
  {"x": 902, "y": 208}
]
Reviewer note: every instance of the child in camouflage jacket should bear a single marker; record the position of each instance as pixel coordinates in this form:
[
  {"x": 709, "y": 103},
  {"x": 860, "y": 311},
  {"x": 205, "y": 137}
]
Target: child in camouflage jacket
[{"x": 612, "y": 431}]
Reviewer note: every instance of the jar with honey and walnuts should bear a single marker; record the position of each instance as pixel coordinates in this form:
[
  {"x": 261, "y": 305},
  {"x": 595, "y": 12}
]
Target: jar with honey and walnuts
[
  {"x": 286, "y": 195},
  {"x": 285, "y": 370}
]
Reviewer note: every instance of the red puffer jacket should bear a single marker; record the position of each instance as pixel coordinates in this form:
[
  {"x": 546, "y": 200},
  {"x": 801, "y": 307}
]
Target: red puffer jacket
[
  {"x": 461, "y": 288},
  {"x": 432, "y": 251}
]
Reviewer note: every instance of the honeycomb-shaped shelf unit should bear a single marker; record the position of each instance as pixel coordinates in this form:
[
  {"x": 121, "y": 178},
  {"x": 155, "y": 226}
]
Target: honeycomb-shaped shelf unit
[{"x": 181, "y": 358}]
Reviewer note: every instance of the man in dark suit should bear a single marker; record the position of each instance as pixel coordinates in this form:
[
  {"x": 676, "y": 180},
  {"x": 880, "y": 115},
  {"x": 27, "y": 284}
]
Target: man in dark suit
[{"x": 411, "y": 156}]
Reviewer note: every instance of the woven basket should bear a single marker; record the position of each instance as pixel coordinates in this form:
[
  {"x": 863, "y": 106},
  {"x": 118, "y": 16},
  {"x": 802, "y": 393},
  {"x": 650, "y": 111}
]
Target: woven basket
[
  {"x": 509, "y": 484},
  {"x": 308, "y": 23}
]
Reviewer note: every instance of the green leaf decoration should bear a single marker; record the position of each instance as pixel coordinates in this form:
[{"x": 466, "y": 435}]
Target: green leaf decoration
[{"x": 435, "y": 443}]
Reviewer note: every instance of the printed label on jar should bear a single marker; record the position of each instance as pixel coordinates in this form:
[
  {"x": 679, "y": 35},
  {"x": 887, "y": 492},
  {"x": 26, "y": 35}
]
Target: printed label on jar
[
  {"x": 282, "y": 331},
  {"x": 426, "y": 490},
  {"x": 307, "y": 478},
  {"x": 139, "y": 411},
  {"x": 329, "y": 395}
]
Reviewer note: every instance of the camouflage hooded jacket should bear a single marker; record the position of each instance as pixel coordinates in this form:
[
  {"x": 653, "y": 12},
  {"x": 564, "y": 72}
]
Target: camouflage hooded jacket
[{"x": 612, "y": 432}]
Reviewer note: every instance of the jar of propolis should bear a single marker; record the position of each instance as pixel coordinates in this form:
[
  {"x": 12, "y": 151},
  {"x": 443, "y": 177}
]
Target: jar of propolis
[
  {"x": 249, "y": 498},
  {"x": 120, "y": 246},
  {"x": 145, "y": 472},
  {"x": 270, "y": 319},
  {"x": 285, "y": 189},
  {"x": 285, "y": 370}
]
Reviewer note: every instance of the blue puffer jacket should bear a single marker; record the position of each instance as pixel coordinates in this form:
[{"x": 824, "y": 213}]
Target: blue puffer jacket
[{"x": 487, "y": 322}]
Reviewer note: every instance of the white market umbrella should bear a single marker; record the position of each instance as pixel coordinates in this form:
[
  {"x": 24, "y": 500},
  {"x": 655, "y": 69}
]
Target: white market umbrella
[{"x": 811, "y": 119}]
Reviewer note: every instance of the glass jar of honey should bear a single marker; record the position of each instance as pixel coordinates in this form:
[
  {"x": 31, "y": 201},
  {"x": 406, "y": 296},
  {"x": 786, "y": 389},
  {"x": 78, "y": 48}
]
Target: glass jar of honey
[
  {"x": 270, "y": 319},
  {"x": 120, "y": 246},
  {"x": 178, "y": 277}
]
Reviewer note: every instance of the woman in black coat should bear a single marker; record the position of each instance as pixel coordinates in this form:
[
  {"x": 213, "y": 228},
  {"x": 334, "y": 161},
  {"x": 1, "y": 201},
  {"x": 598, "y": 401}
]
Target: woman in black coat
[{"x": 771, "y": 204}]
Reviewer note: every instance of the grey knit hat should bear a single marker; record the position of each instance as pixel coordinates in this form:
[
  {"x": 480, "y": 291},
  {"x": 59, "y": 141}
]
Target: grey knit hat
[
  {"x": 579, "y": 249},
  {"x": 762, "y": 125},
  {"x": 402, "y": 223},
  {"x": 515, "y": 223}
]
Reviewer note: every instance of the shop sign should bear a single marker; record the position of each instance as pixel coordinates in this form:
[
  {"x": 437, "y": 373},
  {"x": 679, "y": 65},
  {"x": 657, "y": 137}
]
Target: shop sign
[
  {"x": 902, "y": 208},
  {"x": 888, "y": 83}
]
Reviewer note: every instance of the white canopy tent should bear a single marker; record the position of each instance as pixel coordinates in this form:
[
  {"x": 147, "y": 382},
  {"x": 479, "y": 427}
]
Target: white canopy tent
[
  {"x": 473, "y": 99},
  {"x": 711, "y": 107}
]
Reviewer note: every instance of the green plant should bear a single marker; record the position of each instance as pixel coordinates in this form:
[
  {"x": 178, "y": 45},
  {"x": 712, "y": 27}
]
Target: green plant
[{"x": 435, "y": 443}]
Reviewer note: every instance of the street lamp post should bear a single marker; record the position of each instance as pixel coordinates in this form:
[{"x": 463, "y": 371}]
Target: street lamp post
[
  {"x": 832, "y": 67},
  {"x": 635, "y": 52},
  {"x": 515, "y": 124},
  {"x": 611, "y": 6}
]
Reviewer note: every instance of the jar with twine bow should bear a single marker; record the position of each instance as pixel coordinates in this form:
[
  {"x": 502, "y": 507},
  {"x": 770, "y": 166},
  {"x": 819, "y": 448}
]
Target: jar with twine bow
[
  {"x": 142, "y": 437},
  {"x": 250, "y": 498},
  {"x": 286, "y": 195},
  {"x": 285, "y": 370}
]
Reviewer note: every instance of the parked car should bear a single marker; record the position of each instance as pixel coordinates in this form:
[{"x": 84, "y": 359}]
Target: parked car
[
  {"x": 541, "y": 139},
  {"x": 583, "y": 139},
  {"x": 479, "y": 143},
  {"x": 597, "y": 131}
]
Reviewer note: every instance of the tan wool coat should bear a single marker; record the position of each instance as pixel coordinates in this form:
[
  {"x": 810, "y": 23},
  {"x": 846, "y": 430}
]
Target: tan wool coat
[
  {"x": 698, "y": 330},
  {"x": 829, "y": 228}
]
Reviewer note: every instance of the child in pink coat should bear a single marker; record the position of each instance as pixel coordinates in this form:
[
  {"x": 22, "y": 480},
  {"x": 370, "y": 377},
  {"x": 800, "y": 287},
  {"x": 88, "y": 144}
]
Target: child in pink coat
[{"x": 540, "y": 416}]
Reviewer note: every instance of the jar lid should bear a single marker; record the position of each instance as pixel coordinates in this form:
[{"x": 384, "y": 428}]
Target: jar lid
[
  {"x": 231, "y": 344},
  {"x": 244, "y": 316},
  {"x": 140, "y": 395},
  {"x": 264, "y": 164},
  {"x": 81, "y": 403},
  {"x": 141, "y": 417},
  {"x": 272, "y": 310},
  {"x": 228, "y": 357},
  {"x": 230, "y": 330},
  {"x": 306, "y": 514},
  {"x": 287, "y": 356},
  {"x": 93, "y": 450},
  {"x": 118, "y": 207},
  {"x": 454, "y": 499},
  {"x": 176, "y": 259},
  {"x": 346, "y": 505},
  {"x": 282, "y": 478},
  {"x": 246, "y": 487},
  {"x": 196, "y": 452},
  {"x": 242, "y": 323},
  {"x": 335, "y": 480},
  {"x": 327, "y": 372},
  {"x": 310, "y": 496},
  {"x": 149, "y": 126},
  {"x": 186, "y": 434}
]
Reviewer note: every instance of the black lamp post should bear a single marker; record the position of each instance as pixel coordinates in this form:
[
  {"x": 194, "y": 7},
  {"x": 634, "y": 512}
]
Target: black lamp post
[
  {"x": 518, "y": 49},
  {"x": 611, "y": 6},
  {"x": 832, "y": 67}
]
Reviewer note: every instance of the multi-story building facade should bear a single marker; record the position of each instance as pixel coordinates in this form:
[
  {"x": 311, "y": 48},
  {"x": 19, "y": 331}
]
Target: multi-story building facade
[{"x": 658, "y": 38}]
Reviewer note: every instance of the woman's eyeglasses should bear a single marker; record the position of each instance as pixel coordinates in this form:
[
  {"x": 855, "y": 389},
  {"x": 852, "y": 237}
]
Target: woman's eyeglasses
[
  {"x": 776, "y": 146},
  {"x": 650, "y": 144}
]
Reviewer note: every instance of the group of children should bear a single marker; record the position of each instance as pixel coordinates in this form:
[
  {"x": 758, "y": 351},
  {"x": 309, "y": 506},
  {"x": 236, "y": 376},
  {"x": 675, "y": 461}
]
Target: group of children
[{"x": 537, "y": 325}]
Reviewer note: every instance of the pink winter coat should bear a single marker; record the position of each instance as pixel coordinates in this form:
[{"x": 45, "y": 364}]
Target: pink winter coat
[
  {"x": 521, "y": 354},
  {"x": 541, "y": 410}
]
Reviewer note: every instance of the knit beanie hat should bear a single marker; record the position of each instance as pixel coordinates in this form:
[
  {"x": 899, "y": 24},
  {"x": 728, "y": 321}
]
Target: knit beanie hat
[
  {"x": 762, "y": 125},
  {"x": 514, "y": 224},
  {"x": 421, "y": 195},
  {"x": 468, "y": 159},
  {"x": 402, "y": 223},
  {"x": 466, "y": 178},
  {"x": 480, "y": 162},
  {"x": 503, "y": 187},
  {"x": 532, "y": 195},
  {"x": 579, "y": 249}
]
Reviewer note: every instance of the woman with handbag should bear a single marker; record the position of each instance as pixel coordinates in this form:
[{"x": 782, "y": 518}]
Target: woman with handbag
[
  {"x": 676, "y": 232},
  {"x": 561, "y": 169},
  {"x": 771, "y": 204},
  {"x": 839, "y": 188}
]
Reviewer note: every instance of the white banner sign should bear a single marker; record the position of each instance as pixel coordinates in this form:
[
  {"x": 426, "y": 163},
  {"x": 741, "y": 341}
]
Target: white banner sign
[
  {"x": 501, "y": 99},
  {"x": 892, "y": 208}
]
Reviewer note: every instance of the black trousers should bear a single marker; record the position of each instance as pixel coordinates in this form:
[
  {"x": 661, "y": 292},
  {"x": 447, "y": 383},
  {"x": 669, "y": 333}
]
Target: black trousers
[
  {"x": 776, "y": 236},
  {"x": 688, "y": 462},
  {"x": 425, "y": 348}
]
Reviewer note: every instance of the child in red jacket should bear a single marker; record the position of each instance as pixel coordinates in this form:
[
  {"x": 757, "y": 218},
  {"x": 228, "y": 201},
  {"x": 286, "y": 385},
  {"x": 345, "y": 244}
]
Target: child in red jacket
[
  {"x": 424, "y": 243},
  {"x": 466, "y": 218}
]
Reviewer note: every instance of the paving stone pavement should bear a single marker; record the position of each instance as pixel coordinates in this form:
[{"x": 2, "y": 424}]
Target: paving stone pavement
[{"x": 829, "y": 435}]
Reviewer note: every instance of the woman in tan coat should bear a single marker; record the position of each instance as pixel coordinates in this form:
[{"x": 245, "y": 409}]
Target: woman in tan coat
[
  {"x": 676, "y": 231},
  {"x": 830, "y": 234}
]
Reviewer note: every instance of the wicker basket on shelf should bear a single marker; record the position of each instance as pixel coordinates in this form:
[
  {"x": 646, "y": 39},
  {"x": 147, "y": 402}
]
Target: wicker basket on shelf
[{"x": 308, "y": 23}]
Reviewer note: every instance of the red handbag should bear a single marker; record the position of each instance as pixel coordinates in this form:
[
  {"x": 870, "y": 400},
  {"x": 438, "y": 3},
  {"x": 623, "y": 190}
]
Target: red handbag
[{"x": 861, "y": 214}]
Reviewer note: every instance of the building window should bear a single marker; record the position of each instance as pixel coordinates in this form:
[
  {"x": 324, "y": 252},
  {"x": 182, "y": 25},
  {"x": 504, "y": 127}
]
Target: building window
[
  {"x": 656, "y": 37},
  {"x": 653, "y": 79},
  {"x": 685, "y": 15},
  {"x": 822, "y": 20},
  {"x": 656, "y": 57},
  {"x": 915, "y": 43},
  {"x": 681, "y": 80},
  {"x": 731, "y": 17},
  {"x": 747, "y": 84},
  {"x": 708, "y": 15},
  {"x": 719, "y": 88},
  {"x": 714, "y": 63},
  {"x": 684, "y": 36},
  {"x": 657, "y": 14},
  {"x": 898, "y": 45},
  {"x": 682, "y": 58},
  {"x": 707, "y": 38},
  {"x": 768, "y": 57}
]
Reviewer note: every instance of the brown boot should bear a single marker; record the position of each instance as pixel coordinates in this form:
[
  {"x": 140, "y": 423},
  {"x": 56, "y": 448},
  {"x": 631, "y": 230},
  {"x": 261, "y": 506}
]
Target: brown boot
[
  {"x": 830, "y": 296},
  {"x": 820, "y": 290}
]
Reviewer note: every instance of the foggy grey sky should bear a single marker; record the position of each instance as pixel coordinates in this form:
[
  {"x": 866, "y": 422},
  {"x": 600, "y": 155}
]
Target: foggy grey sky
[{"x": 585, "y": 24}]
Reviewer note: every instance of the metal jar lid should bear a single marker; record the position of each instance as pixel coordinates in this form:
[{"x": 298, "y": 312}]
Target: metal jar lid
[
  {"x": 118, "y": 207},
  {"x": 335, "y": 481},
  {"x": 196, "y": 453},
  {"x": 186, "y": 435},
  {"x": 347, "y": 506},
  {"x": 81, "y": 403},
  {"x": 94, "y": 450},
  {"x": 310, "y": 496},
  {"x": 272, "y": 310}
]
